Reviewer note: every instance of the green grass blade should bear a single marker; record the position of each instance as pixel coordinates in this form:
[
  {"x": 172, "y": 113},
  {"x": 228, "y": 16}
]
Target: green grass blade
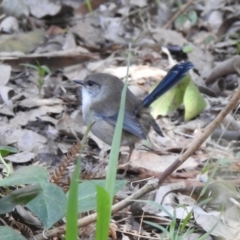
[
  {"x": 104, "y": 219},
  {"x": 186, "y": 220},
  {"x": 89, "y": 5},
  {"x": 103, "y": 213},
  {"x": 72, "y": 207},
  {"x": 112, "y": 166}
]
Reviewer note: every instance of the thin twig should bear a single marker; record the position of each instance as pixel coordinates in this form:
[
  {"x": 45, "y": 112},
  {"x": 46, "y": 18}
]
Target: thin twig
[
  {"x": 181, "y": 10},
  {"x": 153, "y": 185}
]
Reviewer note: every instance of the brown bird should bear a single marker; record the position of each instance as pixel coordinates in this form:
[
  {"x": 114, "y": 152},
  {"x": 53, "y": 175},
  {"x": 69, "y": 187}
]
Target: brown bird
[{"x": 101, "y": 95}]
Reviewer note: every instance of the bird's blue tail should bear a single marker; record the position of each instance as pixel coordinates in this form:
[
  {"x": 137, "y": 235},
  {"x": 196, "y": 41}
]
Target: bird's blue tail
[{"x": 175, "y": 74}]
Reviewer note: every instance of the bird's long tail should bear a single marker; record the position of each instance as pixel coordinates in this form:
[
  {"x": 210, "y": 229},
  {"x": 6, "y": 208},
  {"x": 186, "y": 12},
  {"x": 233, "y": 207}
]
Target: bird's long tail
[{"x": 175, "y": 74}]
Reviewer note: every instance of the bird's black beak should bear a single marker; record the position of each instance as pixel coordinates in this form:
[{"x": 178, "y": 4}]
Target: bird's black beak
[{"x": 78, "y": 81}]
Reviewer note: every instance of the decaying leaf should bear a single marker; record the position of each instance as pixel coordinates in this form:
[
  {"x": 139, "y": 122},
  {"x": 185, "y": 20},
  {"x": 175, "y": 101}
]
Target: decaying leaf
[
  {"x": 193, "y": 102},
  {"x": 9, "y": 135},
  {"x": 22, "y": 42},
  {"x": 154, "y": 162},
  {"x": 30, "y": 140},
  {"x": 217, "y": 225},
  {"x": 22, "y": 157}
]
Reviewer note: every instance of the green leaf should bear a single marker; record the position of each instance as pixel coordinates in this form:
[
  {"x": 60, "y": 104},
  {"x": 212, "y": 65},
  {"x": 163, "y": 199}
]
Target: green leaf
[
  {"x": 7, "y": 233},
  {"x": 192, "y": 15},
  {"x": 26, "y": 175},
  {"x": 5, "y": 150},
  {"x": 188, "y": 49},
  {"x": 46, "y": 69},
  {"x": 184, "y": 92},
  {"x": 193, "y": 101},
  {"x": 206, "y": 168},
  {"x": 171, "y": 100},
  {"x": 50, "y": 205},
  {"x": 87, "y": 193},
  {"x": 113, "y": 159},
  {"x": 89, "y": 6},
  {"x": 180, "y": 21},
  {"x": 186, "y": 220},
  {"x": 72, "y": 206},
  {"x": 41, "y": 73},
  {"x": 103, "y": 213},
  {"x": 19, "y": 196},
  {"x": 116, "y": 142}
]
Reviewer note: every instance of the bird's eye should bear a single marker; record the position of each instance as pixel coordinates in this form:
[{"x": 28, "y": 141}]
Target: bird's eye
[{"x": 90, "y": 83}]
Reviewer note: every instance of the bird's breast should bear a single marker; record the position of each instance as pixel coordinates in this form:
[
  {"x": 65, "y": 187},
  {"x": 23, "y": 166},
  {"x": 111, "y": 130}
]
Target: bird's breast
[{"x": 86, "y": 105}]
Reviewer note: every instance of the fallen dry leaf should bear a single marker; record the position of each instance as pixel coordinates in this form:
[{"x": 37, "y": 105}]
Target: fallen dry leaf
[
  {"x": 29, "y": 140},
  {"x": 10, "y": 135},
  {"x": 22, "y": 157},
  {"x": 154, "y": 162},
  {"x": 218, "y": 225},
  {"x": 43, "y": 8}
]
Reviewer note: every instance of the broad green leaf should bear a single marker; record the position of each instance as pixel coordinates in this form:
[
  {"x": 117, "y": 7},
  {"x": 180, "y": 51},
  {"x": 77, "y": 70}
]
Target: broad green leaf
[
  {"x": 87, "y": 193},
  {"x": 72, "y": 206},
  {"x": 103, "y": 213},
  {"x": 8, "y": 233},
  {"x": 50, "y": 205},
  {"x": 26, "y": 175},
  {"x": 19, "y": 196},
  {"x": 5, "y": 150},
  {"x": 171, "y": 100},
  {"x": 193, "y": 101}
]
